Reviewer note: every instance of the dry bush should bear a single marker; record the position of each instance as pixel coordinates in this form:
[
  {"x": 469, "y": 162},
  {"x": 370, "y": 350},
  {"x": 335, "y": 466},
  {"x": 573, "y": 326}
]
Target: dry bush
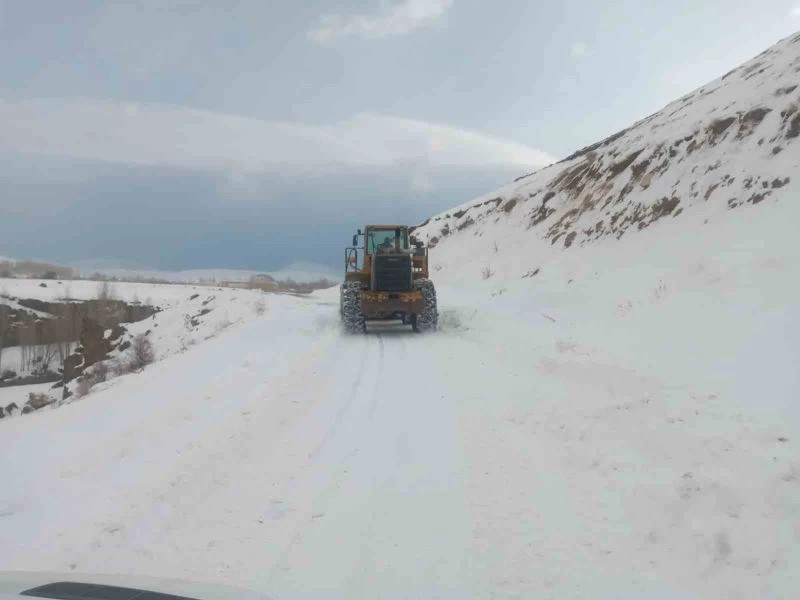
[
  {"x": 121, "y": 367},
  {"x": 84, "y": 386},
  {"x": 4, "y": 327},
  {"x": 102, "y": 371},
  {"x": 222, "y": 325},
  {"x": 486, "y": 272},
  {"x": 105, "y": 291},
  {"x": 141, "y": 353},
  {"x": 260, "y": 307}
]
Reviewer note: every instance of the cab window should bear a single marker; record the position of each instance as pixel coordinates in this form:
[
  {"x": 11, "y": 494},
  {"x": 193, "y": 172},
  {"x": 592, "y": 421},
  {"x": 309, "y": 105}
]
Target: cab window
[{"x": 383, "y": 236}]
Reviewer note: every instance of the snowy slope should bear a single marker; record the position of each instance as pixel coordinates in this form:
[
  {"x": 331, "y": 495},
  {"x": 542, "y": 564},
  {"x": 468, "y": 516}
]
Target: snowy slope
[
  {"x": 188, "y": 315},
  {"x": 730, "y": 145}
]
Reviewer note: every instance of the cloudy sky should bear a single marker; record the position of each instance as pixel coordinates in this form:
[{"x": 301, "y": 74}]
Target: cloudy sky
[{"x": 252, "y": 133}]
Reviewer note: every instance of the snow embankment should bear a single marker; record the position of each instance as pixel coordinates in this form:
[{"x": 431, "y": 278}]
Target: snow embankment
[{"x": 187, "y": 315}]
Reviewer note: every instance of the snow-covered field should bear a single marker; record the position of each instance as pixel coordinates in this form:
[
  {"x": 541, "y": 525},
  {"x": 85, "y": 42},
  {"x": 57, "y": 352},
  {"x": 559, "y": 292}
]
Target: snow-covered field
[
  {"x": 300, "y": 272},
  {"x": 156, "y": 294},
  {"x": 611, "y": 428}
]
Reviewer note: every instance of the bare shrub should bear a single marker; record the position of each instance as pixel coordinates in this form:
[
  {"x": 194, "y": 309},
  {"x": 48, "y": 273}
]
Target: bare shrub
[
  {"x": 222, "y": 325},
  {"x": 105, "y": 291},
  {"x": 141, "y": 353},
  {"x": 486, "y": 272},
  {"x": 4, "y": 327},
  {"x": 66, "y": 294},
  {"x": 260, "y": 307},
  {"x": 122, "y": 367},
  {"x": 68, "y": 330},
  {"x": 101, "y": 371},
  {"x": 84, "y": 386}
]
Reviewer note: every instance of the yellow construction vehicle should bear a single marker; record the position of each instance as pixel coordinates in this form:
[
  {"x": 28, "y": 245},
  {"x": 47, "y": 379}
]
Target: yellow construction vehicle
[{"x": 387, "y": 279}]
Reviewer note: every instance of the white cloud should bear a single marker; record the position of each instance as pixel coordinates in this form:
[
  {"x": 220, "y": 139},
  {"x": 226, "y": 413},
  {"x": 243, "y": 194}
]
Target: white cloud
[
  {"x": 397, "y": 17},
  {"x": 578, "y": 49},
  {"x": 156, "y": 134}
]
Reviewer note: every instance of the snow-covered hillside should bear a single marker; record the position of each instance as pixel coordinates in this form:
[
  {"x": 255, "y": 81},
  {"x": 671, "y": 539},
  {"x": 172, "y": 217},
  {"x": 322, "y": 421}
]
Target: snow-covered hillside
[
  {"x": 186, "y": 315},
  {"x": 731, "y": 145}
]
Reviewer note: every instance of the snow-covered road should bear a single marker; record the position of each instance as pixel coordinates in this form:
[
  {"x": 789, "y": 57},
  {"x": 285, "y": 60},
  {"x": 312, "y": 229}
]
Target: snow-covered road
[
  {"x": 294, "y": 459},
  {"x": 504, "y": 456}
]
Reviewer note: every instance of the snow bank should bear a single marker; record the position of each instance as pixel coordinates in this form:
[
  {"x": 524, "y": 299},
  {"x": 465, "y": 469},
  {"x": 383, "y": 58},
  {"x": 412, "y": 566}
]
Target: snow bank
[{"x": 188, "y": 315}]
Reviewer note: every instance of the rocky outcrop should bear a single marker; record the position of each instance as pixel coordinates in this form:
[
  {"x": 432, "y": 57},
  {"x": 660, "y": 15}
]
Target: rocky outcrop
[
  {"x": 49, "y": 322},
  {"x": 95, "y": 345},
  {"x": 35, "y": 402}
]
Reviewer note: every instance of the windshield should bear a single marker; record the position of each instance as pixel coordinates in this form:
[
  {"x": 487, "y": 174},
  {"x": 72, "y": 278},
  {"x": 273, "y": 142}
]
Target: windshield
[{"x": 383, "y": 239}]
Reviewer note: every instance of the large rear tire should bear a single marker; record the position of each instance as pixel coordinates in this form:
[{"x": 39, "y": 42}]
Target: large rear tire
[
  {"x": 428, "y": 319},
  {"x": 350, "y": 308}
]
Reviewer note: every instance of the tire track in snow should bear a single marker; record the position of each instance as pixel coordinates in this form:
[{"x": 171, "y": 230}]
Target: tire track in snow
[
  {"x": 374, "y": 404},
  {"x": 330, "y": 489},
  {"x": 343, "y": 410},
  {"x": 412, "y": 531},
  {"x": 364, "y": 569}
]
